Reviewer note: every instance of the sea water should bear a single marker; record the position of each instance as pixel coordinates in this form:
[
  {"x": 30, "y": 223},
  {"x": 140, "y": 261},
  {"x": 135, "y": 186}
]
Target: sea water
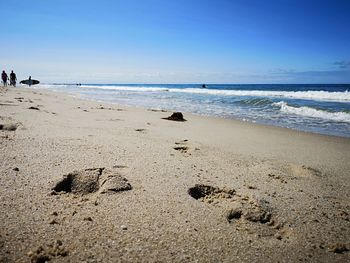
[{"x": 323, "y": 108}]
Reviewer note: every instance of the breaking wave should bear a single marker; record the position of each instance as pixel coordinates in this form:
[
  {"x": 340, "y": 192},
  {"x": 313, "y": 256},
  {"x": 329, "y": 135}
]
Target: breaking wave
[
  {"x": 307, "y": 95},
  {"x": 314, "y": 113}
]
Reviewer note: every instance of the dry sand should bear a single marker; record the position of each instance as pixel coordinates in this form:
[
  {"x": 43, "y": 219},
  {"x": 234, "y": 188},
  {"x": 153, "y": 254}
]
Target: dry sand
[{"x": 83, "y": 181}]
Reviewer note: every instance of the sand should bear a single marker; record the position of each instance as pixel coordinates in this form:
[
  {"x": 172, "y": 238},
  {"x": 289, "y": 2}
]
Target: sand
[{"x": 84, "y": 181}]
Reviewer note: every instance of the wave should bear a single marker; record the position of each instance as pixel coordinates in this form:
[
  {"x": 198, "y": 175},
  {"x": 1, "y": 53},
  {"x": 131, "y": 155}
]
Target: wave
[
  {"x": 256, "y": 102},
  {"x": 54, "y": 86},
  {"x": 126, "y": 88},
  {"x": 314, "y": 113},
  {"x": 308, "y": 95}
]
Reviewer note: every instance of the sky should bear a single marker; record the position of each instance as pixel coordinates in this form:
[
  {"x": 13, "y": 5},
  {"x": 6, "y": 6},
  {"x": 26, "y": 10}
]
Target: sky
[{"x": 182, "y": 41}]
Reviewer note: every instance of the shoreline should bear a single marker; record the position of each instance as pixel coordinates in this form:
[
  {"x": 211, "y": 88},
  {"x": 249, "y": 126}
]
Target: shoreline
[
  {"x": 205, "y": 190},
  {"x": 268, "y": 132},
  {"x": 78, "y": 96}
]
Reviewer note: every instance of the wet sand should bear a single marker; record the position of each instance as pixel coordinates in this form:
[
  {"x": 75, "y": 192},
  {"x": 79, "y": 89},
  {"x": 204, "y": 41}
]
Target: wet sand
[{"x": 83, "y": 181}]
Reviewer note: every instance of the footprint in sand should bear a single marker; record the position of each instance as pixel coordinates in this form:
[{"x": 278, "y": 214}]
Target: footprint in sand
[
  {"x": 141, "y": 130},
  {"x": 292, "y": 171},
  {"x": 8, "y": 124},
  {"x": 33, "y": 108},
  {"x": 183, "y": 147},
  {"x": 277, "y": 177},
  {"x": 8, "y": 127},
  {"x": 48, "y": 252},
  {"x": 208, "y": 194},
  {"x": 120, "y": 166},
  {"x": 157, "y": 110},
  {"x": 181, "y": 142},
  {"x": 19, "y": 99},
  {"x": 253, "y": 215},
  {"x": 8, "y": 103},
  {"x": 89, "y": 181},
  {"x": 245, "y": 213},
  {"x": 103, "y": 108},
  {"x": 302, "y": 171}
]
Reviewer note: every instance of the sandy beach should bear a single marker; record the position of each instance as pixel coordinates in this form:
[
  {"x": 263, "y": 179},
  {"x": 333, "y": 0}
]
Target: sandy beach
[{"x": 83, "y": 181}]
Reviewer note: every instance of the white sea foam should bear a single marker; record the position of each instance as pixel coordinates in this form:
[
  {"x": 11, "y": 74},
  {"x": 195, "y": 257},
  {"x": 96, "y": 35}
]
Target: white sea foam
[
  {"x": 314, "y": 113},
  {"x": 126, "y": 88},
  {"x": 309, "y": 95},
  {"x": 52, "y": 86},
  {"x": 313, "y": 95}
]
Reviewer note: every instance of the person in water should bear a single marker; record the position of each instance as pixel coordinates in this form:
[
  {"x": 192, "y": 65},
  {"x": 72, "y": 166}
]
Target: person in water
[
  {"x": 13, "y": 78},
  {"x": 4, "y": 78},
  {"x": 204, "y": 86}
]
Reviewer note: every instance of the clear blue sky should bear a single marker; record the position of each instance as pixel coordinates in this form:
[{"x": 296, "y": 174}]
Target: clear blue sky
[{"x": 178, "y": 41}]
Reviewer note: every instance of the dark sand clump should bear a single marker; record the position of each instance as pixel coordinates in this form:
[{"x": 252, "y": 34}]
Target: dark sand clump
[{"x": 176, "y": 116}]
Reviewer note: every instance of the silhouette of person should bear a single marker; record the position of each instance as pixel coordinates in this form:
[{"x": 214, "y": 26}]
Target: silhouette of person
[
  {"x": 4, "y": 78},
  {"x": 13, "y": 78},
  {"x": 30, "y": 81}
]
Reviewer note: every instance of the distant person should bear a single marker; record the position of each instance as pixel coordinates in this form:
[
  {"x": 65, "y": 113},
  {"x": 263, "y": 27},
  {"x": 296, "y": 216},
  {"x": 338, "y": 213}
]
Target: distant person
[
  {"x": 4, "y": 78},
  {"x": 204, "y": 86},
  {"x": 13, "y": 79},
  {"x": 29, "y": 81}
]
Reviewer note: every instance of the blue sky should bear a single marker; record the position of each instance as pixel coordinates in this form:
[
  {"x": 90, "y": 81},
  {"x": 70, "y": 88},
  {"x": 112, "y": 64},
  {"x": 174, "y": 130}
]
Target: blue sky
[{"x": 183, "y": 41}]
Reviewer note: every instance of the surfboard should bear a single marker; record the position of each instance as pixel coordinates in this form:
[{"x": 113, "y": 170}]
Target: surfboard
[{"x": 30, "y": 82}]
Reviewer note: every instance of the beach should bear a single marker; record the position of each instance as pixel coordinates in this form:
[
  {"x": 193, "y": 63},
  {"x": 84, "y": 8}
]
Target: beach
[{"x": 85, "y": 181}]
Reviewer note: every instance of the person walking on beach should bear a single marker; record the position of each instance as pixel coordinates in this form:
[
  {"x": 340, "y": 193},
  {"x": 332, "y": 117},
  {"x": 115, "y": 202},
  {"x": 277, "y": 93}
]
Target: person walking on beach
[
  {"x": 13, "y": 79},
  {"x": 30, "y": 81},
  {"x": 4, "y": 78}
]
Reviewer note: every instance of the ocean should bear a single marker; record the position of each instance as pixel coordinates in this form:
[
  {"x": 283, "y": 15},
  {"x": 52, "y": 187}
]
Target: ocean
[{"x": 322, "y": 108}]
